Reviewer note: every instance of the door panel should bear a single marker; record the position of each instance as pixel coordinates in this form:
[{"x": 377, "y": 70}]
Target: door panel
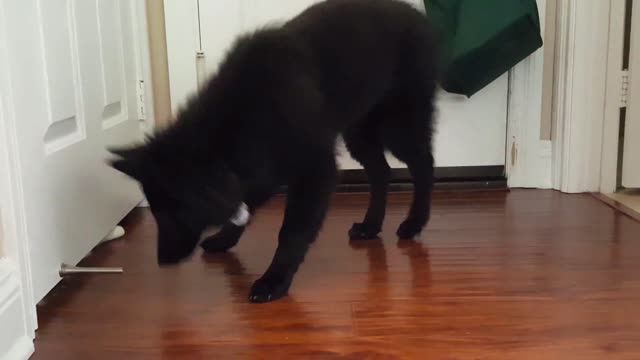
[
  {"x": 73, "y": 79},
  {"x": 114, "y": 103},
  {"x": 65, "y": 121}
]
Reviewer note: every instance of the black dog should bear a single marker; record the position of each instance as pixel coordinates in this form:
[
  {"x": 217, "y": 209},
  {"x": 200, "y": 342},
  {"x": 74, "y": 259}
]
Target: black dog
[{"x": 363, "y": 69}]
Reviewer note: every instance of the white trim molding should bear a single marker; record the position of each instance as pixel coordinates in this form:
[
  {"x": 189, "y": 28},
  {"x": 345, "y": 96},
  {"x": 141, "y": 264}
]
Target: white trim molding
[
  {"x": 183, "y": 43},
  {"x": 16, "y": 341},
  {"x": 528, "y": 162},
  {"x": 630, "y": 171},
  {"x": 583, "y": 35},
  {"x": 143, "y": 62},
  {"x": 17, "y": 306},
  {"x": 611, "y": 126}
]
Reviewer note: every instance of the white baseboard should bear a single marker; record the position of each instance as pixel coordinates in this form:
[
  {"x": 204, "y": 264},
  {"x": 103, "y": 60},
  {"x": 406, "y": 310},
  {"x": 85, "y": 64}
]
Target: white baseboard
[
  {"x": 15, "y": 343},
  {"x": 22, "y": 349}
]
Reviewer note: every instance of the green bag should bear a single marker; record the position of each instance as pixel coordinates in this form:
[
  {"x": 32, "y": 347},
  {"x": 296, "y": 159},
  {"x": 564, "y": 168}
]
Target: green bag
[{"x": 483, "y": 39}]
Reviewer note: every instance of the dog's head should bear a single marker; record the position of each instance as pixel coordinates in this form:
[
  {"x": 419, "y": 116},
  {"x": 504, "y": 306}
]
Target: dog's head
[{"x": 185, "y": 197}]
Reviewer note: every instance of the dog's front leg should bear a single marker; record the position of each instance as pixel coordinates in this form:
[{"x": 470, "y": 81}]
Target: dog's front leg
[
  {"x": 230, "y": 234},
  {"x": 307, "y": 203},
  {"x": 223, "y": 240}
]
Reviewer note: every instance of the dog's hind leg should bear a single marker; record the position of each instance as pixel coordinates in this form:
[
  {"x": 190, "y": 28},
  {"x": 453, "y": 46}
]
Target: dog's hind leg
[
  {"x": 411, "y": 144},
  {"x": 365, "y": 146},
  {"x": 307, "y": 203}
]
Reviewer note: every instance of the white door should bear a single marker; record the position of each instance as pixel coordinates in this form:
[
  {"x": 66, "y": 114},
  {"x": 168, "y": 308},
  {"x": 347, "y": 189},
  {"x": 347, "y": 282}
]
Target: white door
[
  {"x": 470, "y": 132},
  {"x": 70, "y": 82}
]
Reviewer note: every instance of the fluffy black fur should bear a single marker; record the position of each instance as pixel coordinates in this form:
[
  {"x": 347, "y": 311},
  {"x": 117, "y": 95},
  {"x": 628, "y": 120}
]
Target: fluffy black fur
[{"x": 363, "y": 69}]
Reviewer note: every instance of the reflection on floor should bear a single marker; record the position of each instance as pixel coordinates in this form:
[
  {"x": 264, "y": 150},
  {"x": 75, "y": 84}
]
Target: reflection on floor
[{"x": 519, "y": 275}]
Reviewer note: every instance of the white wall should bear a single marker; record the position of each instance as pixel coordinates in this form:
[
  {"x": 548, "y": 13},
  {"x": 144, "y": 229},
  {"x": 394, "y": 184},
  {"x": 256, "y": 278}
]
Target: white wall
[
  {"x": 2, "y": 249},
  {"x": 4, "y": 168}
]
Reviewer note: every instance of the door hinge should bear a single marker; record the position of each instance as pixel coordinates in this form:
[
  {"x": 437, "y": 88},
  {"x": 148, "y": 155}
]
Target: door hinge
[
  {"x": 624, "y": 88},
  {"x": 200, "y": 68},
  {"x": 142, "y": 100}
]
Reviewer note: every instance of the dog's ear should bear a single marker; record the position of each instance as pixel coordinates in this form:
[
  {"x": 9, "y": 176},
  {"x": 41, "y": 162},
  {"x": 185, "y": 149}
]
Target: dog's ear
[{"x": 129, "y": 161}]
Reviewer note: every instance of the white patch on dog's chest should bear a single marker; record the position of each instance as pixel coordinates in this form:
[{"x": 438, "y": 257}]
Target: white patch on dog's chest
[{"x": 241, "y": 217}]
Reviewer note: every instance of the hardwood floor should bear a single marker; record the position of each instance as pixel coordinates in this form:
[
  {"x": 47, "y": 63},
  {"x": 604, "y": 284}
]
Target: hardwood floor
[{"x": 519, "y": 275}]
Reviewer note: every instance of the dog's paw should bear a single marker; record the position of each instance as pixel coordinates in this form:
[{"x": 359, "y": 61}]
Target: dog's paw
[
  {"x": 269, "y": 288},
  {"x": 409, "y": 229},
  {"x": 220, "y": 242},
  {"x": 361, "y": 231}
]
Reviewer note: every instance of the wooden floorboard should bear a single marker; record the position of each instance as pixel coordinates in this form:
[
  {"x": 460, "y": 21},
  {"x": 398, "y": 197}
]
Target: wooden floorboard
[{"x": 525, "y": 274}]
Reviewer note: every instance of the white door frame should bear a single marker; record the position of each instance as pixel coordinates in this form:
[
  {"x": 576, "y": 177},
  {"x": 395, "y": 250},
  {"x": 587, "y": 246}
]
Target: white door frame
[
  {"x": 588, "y": 87},
  {"x": 17, "y": 306},
  {"x": 583, "y": 153},
  {"x": 143, "y": 57},
  {"x": 581, "y": 91},
  {"x": 629, "y": 171},
  {"x": 529, "y": 158},
  {"x": 611, "y": 123}
]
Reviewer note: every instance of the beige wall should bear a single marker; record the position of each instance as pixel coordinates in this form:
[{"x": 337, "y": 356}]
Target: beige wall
[{"x": 159, "y": 62}]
